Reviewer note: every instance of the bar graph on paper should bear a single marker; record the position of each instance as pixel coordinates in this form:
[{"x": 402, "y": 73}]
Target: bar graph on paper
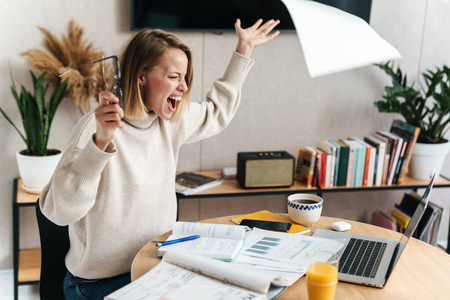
[{"x": 267, "y": 245}]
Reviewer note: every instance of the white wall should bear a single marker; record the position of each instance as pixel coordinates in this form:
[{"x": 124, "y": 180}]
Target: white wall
[{"x": 282, "y": 107}]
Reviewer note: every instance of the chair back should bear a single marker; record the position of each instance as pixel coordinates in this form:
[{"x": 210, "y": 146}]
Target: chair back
[{"x": 54, "y": 247}]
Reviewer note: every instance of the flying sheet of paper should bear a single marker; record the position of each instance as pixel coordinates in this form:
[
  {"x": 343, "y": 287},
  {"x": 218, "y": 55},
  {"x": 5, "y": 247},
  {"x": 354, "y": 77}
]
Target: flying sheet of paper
[{"x": 333, "y": 40}]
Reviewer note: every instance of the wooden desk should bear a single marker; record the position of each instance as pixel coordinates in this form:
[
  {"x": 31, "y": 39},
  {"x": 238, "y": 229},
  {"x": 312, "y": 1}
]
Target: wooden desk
[{"x": 422, "y": 272}]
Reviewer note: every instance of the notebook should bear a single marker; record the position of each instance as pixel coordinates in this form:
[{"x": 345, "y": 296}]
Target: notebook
[{"x": 368, "y": 260}]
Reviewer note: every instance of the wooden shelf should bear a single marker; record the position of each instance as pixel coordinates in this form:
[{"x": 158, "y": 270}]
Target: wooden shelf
[
  {"x": 408, "y": 183},
  {"x": 27, "y": 262},
  {"x": 25, "y": 197},
  {"x": 231, "y": 188},
  {"x": 29, "y": 265}
]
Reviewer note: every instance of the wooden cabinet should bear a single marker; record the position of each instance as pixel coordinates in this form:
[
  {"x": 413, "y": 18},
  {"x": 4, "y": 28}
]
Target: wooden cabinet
[{"x": 27, "y": 262}]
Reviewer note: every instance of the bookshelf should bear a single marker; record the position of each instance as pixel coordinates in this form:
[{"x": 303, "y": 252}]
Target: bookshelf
[
  {"x": 27, "y": 262},
  {"x": 231, "y": 188}
]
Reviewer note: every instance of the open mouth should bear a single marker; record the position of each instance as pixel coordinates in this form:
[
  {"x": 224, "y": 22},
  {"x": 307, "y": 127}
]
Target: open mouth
[{"x": 172, "y": 102}]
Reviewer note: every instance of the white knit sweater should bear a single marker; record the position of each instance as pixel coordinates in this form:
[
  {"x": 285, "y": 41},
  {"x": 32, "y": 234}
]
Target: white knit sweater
[{"x": 118, "y": 200}]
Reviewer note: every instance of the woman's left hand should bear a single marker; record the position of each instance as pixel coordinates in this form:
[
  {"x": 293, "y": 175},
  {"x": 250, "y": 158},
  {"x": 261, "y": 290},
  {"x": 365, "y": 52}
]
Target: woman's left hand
[{"x": 254, "y": 36}]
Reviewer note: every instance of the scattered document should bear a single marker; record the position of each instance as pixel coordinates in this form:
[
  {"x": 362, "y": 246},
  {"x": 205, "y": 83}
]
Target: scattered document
[
  {"x": 267, "y": 264},
  {"x": 187, "y": 276},
  {"x": 333, "y": 40},
  {"x": 285, "y": 247},
  {"x": 284, "y": 274},
  {"x": 281, "y": 254},
  {"x": 217, "y": 240}
]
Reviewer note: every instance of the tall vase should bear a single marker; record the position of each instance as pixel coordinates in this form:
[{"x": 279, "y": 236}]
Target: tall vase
[
  {"x": 36, "y": 171},
  {"x": 428, "y": 159}
]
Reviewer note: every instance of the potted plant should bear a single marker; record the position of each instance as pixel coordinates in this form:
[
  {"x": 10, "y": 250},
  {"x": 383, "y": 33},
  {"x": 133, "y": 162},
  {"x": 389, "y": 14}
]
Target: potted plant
[
  {"x": 36, "y": 163},
  {"x": 427, "y": 108}
]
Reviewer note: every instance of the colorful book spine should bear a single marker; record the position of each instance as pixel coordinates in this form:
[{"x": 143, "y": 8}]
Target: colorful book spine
[
  {"x": 323, "y": 168},
  {"x": 358, "y": 162},
  {"x": 304, "y": 170},
  {"x": 379, "y": 218},
  {"x": 412, "y": 131},
  {"x": 401, "y": 218},
  {"x": 351, "y": 158},
  {"x": 369, "y": 162},
  {"x": 387, "y": 156},
  {"x": 379, "y": 147},
  {"x": 330, "y": 162},
  {"x": 395, "y": 153},
  {"x": 343, "y": 163},
  {"x": 337, "y": 160}
]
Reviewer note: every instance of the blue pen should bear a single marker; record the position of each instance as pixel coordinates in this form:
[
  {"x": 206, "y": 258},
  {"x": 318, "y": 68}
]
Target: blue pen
[{"x": 188, "y": 238}]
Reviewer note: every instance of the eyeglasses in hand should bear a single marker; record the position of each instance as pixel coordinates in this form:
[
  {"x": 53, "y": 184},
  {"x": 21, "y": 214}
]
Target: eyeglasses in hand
[{"x": 117, "y": 88}]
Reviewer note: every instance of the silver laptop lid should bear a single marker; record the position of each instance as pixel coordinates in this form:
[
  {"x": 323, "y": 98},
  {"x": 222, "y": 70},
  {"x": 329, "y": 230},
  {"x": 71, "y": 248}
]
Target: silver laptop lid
[{"x": 415, "y": 219}]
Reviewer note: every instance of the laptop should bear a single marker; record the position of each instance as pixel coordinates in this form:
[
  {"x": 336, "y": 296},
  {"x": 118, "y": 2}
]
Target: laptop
[{"x": 368, "y": 260}]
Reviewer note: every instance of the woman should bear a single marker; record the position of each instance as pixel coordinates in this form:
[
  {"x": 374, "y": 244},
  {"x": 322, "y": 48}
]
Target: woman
[{"x": 115, "y": 184}]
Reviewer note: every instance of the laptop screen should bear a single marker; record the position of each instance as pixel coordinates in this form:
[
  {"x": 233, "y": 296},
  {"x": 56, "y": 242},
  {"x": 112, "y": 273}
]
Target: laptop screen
[{"x": 415, "y": 219}]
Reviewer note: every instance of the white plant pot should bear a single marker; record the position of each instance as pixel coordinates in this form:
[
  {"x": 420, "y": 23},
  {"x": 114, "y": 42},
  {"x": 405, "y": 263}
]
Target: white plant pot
[
  {"x": 428, "y": 159},
  {"x": 36, "y": 171}
]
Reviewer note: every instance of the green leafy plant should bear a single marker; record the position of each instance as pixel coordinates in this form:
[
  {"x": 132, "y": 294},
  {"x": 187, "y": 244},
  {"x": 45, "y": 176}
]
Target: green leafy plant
[
  {"x": 428, "y": 109},
  {"x": 36, "y": 116}
]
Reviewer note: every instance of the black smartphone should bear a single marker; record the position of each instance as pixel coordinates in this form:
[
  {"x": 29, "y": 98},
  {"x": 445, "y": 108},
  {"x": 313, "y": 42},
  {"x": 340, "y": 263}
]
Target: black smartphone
[{"x": 268, "y": 225}]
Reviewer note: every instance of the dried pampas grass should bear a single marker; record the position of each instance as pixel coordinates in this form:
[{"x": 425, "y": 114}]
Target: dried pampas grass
[{"x": 71, "y": 53}]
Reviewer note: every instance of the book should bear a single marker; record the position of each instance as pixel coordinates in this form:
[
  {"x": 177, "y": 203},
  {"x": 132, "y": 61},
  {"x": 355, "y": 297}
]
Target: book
[
  {"x": 426, "y": 232},
  {"x": 380, "y": 147},
  {"x": 379, "y": 218},
  {"x": 397, "y": 144},
  {"x": 358, "y": 162},
  {"x": 217, "y": 240},
  {"x": 265, "y": 215},
  {"x": 317, "y": 169},
  {"x": 330, "y": 151},
  {"x": 411, "y": 131},
  {"x": 436, "y": 224},
  {"x": 365, "y": 170},
  {"x": 403, "y": 144},
  {"x": 187, "y": 276},
  {"x": 401, "y": 218},
  {"x": 408, "y": 205},
  {"x": 188, "y": 183},
  {"x": 403, "y": 157},
  {"x": 304, "y": 170},
  {"x": 351, "y": 162},
  {"x": 369, "y": 162},
  {"x": 337, "y": 161},
  {"x": 323, "y": 167},
  {"x": 387, "y": 157},
  {"x": 343, "y": 163}
]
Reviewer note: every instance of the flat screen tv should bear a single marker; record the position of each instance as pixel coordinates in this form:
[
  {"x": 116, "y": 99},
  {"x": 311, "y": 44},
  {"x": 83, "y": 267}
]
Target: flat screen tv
[{"x": 219, "y": 15}]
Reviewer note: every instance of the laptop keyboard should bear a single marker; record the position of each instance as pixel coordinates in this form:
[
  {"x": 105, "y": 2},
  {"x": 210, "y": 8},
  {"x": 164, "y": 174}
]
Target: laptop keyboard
[{"x": 362, "y": 257}]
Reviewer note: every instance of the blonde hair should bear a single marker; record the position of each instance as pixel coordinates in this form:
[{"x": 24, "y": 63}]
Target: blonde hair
[{"x": 143, "y": 52}]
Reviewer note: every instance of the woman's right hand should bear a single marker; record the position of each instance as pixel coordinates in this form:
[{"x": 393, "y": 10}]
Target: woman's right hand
[{"x": 109, "y": 117}]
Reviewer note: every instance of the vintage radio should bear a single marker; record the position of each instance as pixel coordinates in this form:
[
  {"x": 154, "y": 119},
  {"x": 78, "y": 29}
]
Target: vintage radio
[{"x": 265, "y": 169}]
